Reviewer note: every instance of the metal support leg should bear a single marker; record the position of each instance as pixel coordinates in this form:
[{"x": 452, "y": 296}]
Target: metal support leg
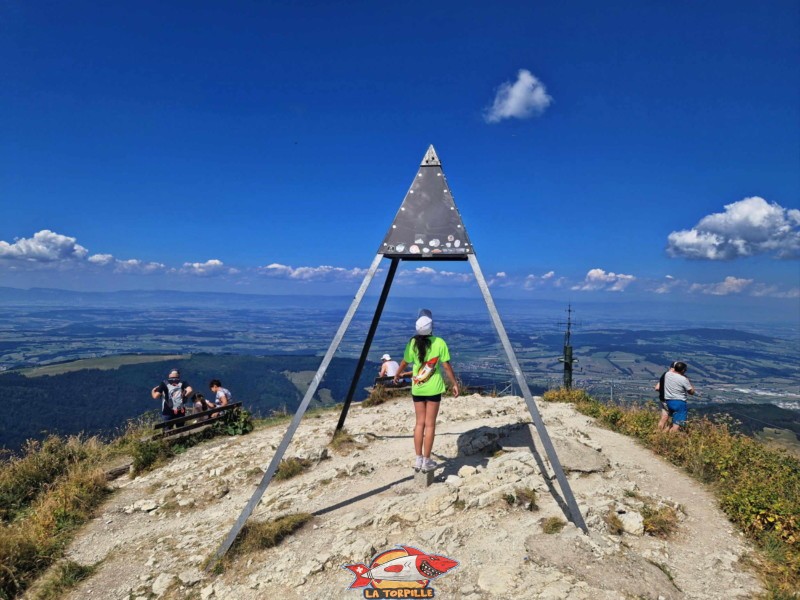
[
  {"x": 575, "y": 512},
  {"x": 287, "y": 438},
  {"x": 368, "y": 342}
]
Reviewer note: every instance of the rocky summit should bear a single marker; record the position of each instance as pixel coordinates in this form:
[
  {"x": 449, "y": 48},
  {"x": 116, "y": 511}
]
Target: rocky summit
[{"x": 494, "y": 507}]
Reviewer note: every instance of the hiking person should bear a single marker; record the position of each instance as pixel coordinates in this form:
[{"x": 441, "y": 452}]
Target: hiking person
[
  {"x": 677, "y": 388},
  {"x": 429, "y": 356},
  {"x": 173, "y": 393},
  {"x": 662, "y": 423}
]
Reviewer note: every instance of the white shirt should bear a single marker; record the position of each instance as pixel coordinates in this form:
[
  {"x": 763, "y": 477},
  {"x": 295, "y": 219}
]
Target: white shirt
[{"x": 390, "y": 368}]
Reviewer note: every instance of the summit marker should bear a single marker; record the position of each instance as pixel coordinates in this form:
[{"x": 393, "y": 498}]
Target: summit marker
[{"x": 427, "y": 227}]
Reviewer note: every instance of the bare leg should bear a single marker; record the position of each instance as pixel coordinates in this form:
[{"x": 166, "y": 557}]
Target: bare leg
[
  {"x": 662, "y": 424},
  {"x": 431, "y": 412},
  {"x": 419, "y": 426},
  {"x": 675, "y": 427}
]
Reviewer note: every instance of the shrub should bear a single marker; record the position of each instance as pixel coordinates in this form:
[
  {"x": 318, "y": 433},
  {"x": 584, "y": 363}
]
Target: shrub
[
  {"x": 235, "y": 422},
  {"x": 148, "y": 454}
]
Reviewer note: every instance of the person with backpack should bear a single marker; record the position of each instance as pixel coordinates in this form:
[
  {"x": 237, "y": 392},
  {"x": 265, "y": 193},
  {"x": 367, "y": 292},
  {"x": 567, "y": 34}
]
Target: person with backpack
[
  {"x": 677, "y": 388},
  {"x": 173, "y": 393},
  {"x": 663, "y": 422},
  {"x": 429, "y": 356}
]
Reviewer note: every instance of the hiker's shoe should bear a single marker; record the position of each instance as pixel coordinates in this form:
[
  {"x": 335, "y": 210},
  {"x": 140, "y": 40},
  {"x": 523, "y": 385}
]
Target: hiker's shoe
[
  {"x": 428, "y": 465},
  {"x": 418, "y": 463}
]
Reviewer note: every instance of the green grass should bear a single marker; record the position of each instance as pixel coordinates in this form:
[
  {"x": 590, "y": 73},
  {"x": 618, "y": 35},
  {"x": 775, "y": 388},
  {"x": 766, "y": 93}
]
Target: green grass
[{"x": 758, "y": 488}]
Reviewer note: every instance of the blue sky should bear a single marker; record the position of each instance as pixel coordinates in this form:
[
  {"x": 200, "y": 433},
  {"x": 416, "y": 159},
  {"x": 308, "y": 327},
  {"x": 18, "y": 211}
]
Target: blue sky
[{"x": 614, "y": 150}]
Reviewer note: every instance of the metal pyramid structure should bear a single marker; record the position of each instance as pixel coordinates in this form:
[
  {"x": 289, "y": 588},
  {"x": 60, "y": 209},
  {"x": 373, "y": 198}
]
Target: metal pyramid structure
[{"x": 428, "y": 226}]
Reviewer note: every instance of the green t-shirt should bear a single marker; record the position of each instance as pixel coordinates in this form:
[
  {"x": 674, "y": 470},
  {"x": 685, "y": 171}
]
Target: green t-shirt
[{"x": 435, "y": 383}]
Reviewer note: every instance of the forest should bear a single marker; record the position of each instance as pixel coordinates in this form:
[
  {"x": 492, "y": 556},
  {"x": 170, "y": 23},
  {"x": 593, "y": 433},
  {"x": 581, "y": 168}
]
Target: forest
[{"x": 100, "y": 402}]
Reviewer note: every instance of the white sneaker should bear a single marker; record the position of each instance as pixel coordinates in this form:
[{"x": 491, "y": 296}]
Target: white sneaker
[
  {"x": 428, "y": 465},
  {"x": 418, "y": 463}
]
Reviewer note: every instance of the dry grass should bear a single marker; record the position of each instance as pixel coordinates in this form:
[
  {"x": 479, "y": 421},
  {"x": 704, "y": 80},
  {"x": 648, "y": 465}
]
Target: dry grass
[
  {"x": 267, "y": 534},
  {"x": 344, "y": 443},
  {"x": 292, "y": 467},
  {"x": 60, "y": 579},
  {"x": 36, "y": 539},
  {"x": 660, "y": 522},
  {"x": 526, "y": 497},
  {"x": 613, "y": 523},
  {"x": 553, "y": 525}
]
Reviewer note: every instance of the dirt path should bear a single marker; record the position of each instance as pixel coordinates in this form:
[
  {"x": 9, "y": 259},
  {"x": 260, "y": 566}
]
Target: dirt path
[{"x": 367, "y": 502}]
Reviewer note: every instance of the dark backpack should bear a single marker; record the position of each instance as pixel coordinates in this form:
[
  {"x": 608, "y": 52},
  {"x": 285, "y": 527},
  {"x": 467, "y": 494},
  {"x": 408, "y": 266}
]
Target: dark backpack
[{"x": 661, "y": 387}]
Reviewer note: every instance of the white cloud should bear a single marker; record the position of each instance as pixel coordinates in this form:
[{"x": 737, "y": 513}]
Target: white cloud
[
  {"x": 101, "y": 260},
  {"x": 731, "y": 285},
  {"x": 537, "y": 281},
  {"x": 598, "y": 279},
  {"x": 434, "y": 276},
  {"x": 134, "y": 266},
  {"x": 668, "y": 285},
  {"x": 748, "y": 227},
  {"x": 210, "y": 268},
  {"x": 44, "y": 247},
  {"x": 321, "y": 273},
  {"x": 521, "y": 99}
]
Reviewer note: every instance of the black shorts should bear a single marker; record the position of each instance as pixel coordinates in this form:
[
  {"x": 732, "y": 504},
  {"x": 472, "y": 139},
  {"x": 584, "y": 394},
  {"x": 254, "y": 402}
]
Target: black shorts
[{"x": 436, "y": 398}]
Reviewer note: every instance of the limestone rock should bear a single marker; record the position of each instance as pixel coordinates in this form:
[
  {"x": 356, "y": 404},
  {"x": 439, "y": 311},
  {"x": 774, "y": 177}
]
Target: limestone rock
[{"x": 162, "y": 583}]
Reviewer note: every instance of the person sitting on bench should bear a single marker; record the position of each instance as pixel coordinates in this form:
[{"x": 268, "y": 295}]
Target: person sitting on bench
[{"x": 390, "y": 368}]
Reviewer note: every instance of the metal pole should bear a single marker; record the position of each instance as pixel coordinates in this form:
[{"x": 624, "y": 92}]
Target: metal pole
[
  {"x": 287, "y": 438},
  {"x": 575, "y": 512},
  {"x": 368, "y": 342}
]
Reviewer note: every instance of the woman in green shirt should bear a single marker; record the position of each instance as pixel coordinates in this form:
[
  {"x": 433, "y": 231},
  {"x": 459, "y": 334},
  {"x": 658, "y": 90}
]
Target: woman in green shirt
[{"x": 429, "y": 355}]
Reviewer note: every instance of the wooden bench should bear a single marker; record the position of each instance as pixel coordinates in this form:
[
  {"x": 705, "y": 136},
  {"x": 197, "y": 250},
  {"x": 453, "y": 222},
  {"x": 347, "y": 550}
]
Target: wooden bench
[
  {"x": 176, "y": 427},
  {"x": 388, "y": 382}
]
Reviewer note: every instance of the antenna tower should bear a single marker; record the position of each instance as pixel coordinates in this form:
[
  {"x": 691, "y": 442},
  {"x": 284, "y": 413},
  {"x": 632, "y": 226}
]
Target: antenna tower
[{"x": 567, "y": 357}]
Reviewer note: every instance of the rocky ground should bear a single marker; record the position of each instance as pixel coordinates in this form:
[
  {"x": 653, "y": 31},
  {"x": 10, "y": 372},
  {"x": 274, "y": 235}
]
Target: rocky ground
[{"x": 151, "y": 538}]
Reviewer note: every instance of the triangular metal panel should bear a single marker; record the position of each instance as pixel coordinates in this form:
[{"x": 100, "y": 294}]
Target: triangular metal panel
[{"x": 428, "y": 224}]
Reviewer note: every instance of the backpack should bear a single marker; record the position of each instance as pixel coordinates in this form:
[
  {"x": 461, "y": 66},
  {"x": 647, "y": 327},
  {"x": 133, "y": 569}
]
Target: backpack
[
  {"x": 173, "y": 399},
  {"x": 661, "y": 390}
]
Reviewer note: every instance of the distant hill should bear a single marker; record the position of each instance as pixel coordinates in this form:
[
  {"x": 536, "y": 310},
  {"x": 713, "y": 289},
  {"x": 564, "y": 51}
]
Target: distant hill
[{"x": 100, "y": 401}]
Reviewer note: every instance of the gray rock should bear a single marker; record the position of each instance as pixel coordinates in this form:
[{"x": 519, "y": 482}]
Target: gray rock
[
  {"x": 632, "y": 522},
  {"x": 162, "y": 583}
]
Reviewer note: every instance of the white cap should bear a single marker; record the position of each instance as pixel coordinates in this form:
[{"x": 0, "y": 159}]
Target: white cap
[
  {"x": 424, "y": 325},
  {"x": 386, "y": 357}
]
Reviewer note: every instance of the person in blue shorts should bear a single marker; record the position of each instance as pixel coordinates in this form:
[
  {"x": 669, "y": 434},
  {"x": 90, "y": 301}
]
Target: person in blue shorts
[
  {"x": 677, "y": 388},
  {"x": 429, "y": 356}
]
